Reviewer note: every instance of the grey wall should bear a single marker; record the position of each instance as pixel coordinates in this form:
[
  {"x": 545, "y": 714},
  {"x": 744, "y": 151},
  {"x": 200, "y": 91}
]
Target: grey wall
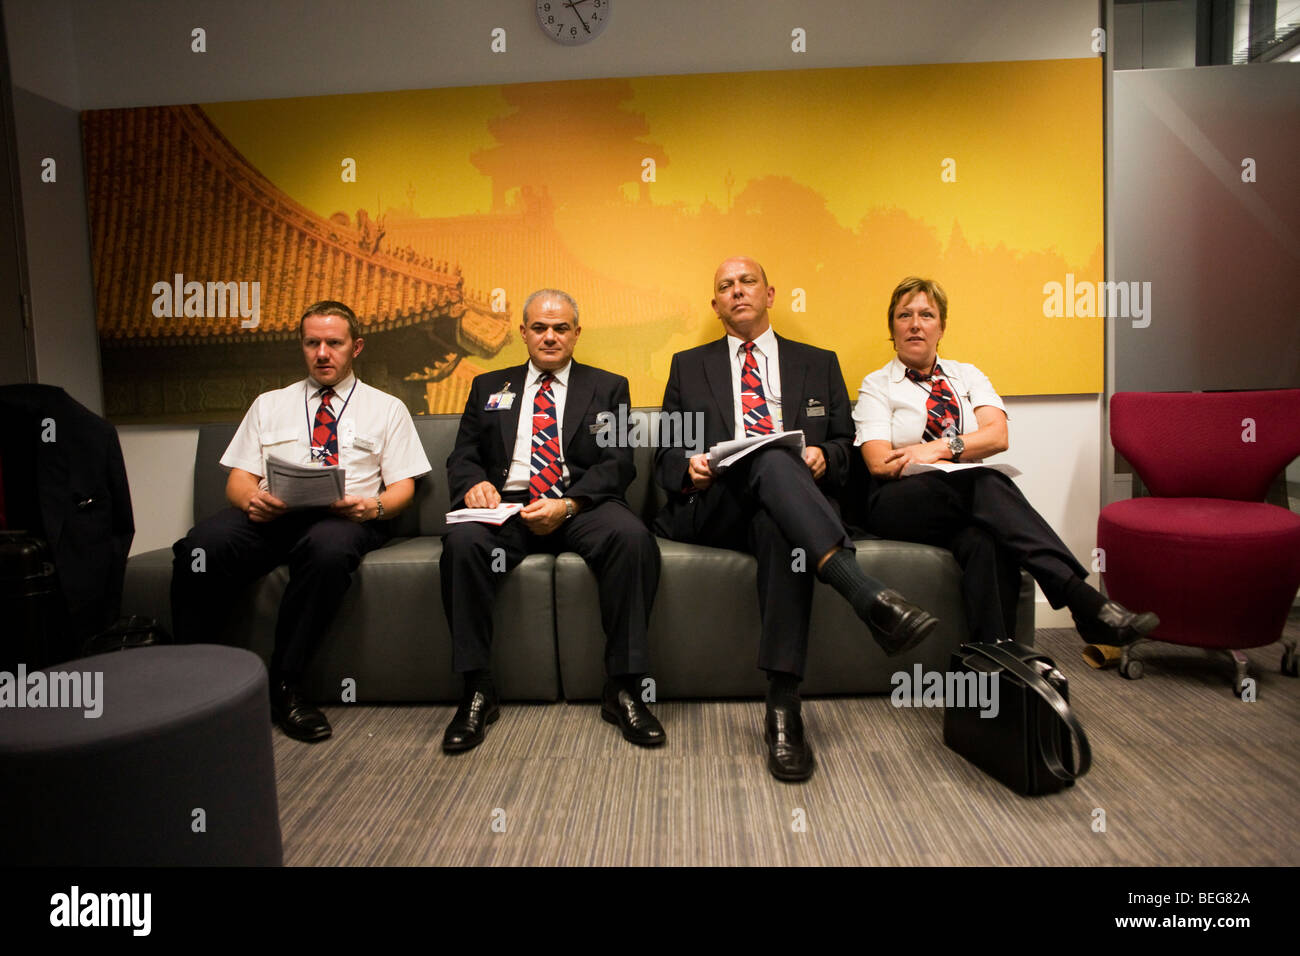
[
  {"x": 136, "y": 52},
  {"x": 1221, "y": 255},
  {"x": 58, "y": 247},
  {"x": 1157, "y": 34}
]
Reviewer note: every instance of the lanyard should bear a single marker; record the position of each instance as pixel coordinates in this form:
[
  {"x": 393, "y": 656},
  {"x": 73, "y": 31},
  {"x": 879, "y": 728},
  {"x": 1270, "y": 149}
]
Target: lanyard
[{"x": 306, "y": 399}]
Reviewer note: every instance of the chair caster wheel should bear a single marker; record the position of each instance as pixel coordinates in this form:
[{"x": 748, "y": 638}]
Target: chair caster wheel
[{"x": 1132, "y": 670}]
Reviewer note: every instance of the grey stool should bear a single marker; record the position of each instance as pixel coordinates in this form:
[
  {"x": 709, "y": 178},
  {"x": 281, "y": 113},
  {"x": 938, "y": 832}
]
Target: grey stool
[{"x": 176, "y": 770}]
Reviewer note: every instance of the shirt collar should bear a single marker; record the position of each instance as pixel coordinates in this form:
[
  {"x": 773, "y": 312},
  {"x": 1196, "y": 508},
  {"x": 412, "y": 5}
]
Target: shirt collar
[
  {"x": 343, "y": 388},
  {"x": 765, "y": 344},
  {"x": 898, "y": 371},
  {"x": 561, "y": 375}
]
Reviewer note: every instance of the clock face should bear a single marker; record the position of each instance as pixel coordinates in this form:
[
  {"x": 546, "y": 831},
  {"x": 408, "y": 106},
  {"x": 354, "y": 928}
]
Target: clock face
[{"x": 572, "y": 22}]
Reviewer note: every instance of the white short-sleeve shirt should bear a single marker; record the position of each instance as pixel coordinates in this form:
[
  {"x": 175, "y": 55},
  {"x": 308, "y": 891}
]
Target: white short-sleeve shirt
[
  {"x": 378, "y": 444},
  {"x": 891, "y": 407}
]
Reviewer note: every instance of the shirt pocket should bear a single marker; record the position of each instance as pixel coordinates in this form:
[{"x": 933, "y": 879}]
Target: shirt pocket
[{"x": 281, "y": 444}]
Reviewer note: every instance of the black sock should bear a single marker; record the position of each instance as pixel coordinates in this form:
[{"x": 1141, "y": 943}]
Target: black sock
[
  {"x": 782, "y": 690},
  {"x": 628, "y": 682},
  {"x": 479, "y": 680},
  {"x": 841, "y": 572},
  {"x": 1083, "y": 600}
]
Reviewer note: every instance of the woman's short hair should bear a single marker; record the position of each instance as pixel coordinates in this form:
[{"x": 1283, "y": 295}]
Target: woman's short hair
[
  {"x": 330, "y": 307},
  {"x": 910, "y": 287}
]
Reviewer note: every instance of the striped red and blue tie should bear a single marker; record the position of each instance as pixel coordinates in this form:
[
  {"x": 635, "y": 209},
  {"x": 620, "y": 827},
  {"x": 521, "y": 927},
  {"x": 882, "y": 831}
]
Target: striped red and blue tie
[
  {"x": 753, "y": 403},
  {"x": 325, "y": 430},
  {"x": 545, "y": 465},
  {"x": 941, "y": 405}
]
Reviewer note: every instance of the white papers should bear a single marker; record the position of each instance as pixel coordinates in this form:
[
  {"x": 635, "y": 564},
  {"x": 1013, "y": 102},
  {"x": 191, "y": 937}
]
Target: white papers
[
  {"x": 1011, "y": 471},
  {"x": 496, "y": 515},
  {"x": 304, "y": 486},
  {"x": 726, "y": 453}
]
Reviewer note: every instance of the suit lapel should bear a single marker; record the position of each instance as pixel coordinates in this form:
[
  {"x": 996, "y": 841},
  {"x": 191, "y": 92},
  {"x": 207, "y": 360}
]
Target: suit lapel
[
  {"x": 717, "y": 370},
  {"x": 793, "y": 373},
  {"x": 581, "y": 391},
  {"x": 518, "y": 379}
]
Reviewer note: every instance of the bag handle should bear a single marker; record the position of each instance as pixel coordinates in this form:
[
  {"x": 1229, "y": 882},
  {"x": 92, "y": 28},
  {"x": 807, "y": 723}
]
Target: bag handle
[{"x": 1048, "y": 742}]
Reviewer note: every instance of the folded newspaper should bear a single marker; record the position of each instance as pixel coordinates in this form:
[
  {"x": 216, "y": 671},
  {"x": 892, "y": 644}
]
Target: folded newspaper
[
  {"x": 1011, "y": 471},
  {"x": 497, "y": 515},
  {"x": 726, "y": 453},
  {"x": 304, "y": 486}
]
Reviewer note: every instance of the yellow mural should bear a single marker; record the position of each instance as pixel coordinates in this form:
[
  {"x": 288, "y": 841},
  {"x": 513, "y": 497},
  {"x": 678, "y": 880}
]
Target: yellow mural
[{"x": 628, "y": 192}]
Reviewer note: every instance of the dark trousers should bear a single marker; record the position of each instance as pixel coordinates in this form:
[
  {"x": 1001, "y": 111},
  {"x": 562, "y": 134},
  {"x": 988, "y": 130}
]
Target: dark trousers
[
  {"x": 321, "y": 549},
  {"x": 614, "y": 543},
  {"x": 991, "y": 529},
  {"x": 768, "y": 505}
]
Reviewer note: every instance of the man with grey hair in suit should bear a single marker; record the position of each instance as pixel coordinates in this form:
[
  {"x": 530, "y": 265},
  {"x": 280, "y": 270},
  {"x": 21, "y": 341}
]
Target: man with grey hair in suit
[{"x": 529, "y": 436}]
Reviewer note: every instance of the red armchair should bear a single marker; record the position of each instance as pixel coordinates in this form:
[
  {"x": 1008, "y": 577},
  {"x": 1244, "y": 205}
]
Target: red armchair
[{"x": 1206, "y": 553}]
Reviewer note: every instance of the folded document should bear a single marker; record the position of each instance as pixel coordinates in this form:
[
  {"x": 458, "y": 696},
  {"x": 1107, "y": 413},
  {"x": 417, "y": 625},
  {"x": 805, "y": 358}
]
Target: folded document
[
  {"x": 497, "y": 515},
  {"x": 1011, "y": 471},
  {"x": 726, "y": 453},
  {"x": 304, "y": 486}
]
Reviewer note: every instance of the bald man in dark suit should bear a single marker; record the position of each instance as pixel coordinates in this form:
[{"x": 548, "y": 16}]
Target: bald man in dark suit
[{"x": 753, "y": 382}]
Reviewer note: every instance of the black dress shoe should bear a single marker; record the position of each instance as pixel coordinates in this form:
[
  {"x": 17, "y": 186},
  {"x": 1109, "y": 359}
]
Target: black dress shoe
[
  {"x": 620, "y": 706},
  {"x": 788, "y": 756},
  {"x": 1116, "y": 625},
  {"x": 468, "y": 728},
  {"x": 296, "y": 717},
  {"x": 897, "y": 625}
]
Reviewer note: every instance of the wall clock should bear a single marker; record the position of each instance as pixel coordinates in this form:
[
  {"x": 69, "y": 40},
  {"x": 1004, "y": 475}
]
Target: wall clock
[{"x": 573, "y": 22}]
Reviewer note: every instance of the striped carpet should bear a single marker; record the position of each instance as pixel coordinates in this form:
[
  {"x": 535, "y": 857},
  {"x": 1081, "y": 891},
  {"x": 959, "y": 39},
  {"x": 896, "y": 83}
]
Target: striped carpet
[{"x": 1185, "y": 773}]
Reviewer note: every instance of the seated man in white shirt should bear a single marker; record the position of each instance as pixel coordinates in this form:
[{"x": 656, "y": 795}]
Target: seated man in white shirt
[{"x": 330, "y": 418}]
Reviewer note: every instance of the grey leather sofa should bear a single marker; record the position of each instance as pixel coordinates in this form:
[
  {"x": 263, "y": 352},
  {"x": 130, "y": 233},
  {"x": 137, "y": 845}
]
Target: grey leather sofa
[{"x": 391, "y": 635}]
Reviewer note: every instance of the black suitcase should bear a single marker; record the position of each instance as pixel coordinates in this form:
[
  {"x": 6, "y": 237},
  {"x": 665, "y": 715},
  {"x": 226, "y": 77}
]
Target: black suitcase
[
  {"x": 31, "y": 610},
  {"x": 127, "y": 633}
]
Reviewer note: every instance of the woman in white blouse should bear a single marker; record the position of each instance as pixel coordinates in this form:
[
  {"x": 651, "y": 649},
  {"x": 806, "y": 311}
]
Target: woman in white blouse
[{"x": 920, "y": 409}]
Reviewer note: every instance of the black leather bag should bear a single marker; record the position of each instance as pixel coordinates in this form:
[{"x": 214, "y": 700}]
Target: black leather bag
[
  {"x": 31, "y": 612},
  {"x": 1027, "y": 745},
  {"x": 127, "y": 633}
]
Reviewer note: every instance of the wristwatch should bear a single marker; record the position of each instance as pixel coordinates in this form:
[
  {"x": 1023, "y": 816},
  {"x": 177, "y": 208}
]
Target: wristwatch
[
  {"x": 569, "y": 511},
  {"x": 955, "y": 446},
  {"x": 379, "y": 507}
]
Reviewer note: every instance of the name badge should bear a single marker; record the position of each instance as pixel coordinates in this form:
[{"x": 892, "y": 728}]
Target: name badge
[
  {"x": 500, "y": 401},
  {"x": 362, "y": 442},
  {"x": 814, "y": 409}
]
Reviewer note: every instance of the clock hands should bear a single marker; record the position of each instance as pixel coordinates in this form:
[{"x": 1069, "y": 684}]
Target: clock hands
[{"x": 573, "y": 5}]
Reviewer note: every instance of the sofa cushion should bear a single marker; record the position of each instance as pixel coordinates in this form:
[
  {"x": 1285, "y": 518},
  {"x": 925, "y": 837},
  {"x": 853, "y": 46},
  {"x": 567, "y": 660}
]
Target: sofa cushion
[{"x": 705, "y": 623}]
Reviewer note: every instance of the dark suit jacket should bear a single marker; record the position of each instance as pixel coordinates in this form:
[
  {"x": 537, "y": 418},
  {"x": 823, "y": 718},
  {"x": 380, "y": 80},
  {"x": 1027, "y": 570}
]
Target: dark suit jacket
[
  {"x": 485, "y": 443},
  {"x": 72, "y": 492},
  {"x": 700, "y": 381}
]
